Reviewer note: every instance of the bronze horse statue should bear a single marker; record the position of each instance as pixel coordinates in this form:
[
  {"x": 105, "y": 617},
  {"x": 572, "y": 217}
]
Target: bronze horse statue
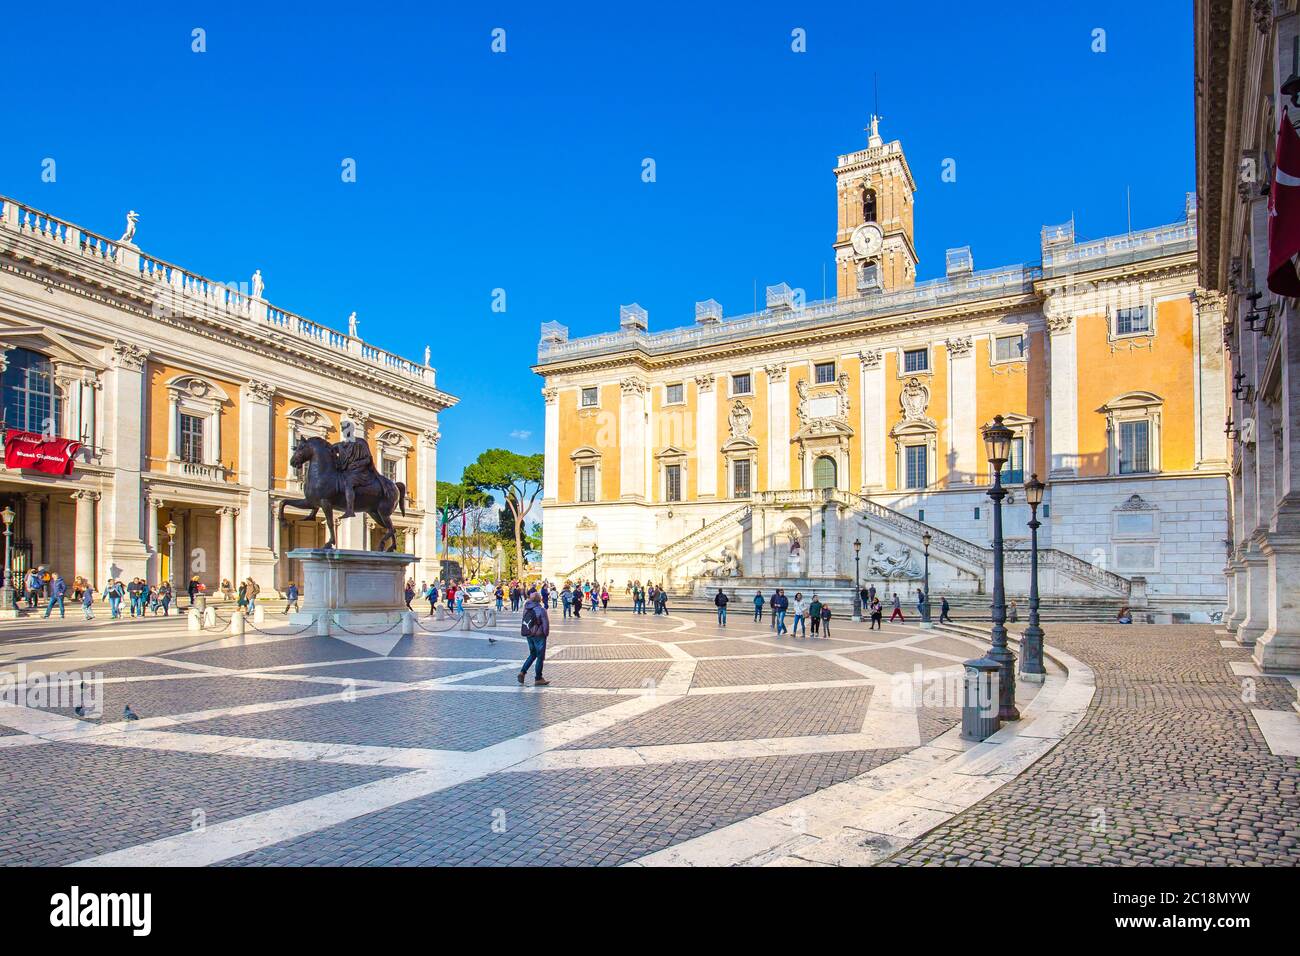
[{"x": 323, "y": 489}]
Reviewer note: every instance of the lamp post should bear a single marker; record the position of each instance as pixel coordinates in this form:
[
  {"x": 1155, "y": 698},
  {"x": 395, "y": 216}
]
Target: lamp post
[
  {"x": 1031, "y": 641},
  {"x": 170, "y": 528},
  {"x": 926, "y": 538},
  {"x": 997, "y": 444},
  {"x": 857, "y": 583},
  {"x": 595, "y": 548},
  {"x": 7, "y": 601}
]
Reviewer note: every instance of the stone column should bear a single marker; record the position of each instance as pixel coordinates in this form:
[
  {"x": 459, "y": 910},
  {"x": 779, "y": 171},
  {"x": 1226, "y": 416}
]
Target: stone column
[
  {"x": 632, "y": 440},
  {"x": 84, "y": 554},
  {"x": 872, "y": 421},
  {"x": 1278, "y": 647},
  {"x": 428, "y": 497},
  {"x": 154, "y": 569},
  {"x": 1210, "y": 382},
  {"x": 778, "y": 427},
  {"x": 226, "y": 560},
  {"x": 255, "y": 438},
  {"x": 32, "y": 525},
  {"x": 706, "y": 432},
  {"x": 1063, "y": 389},
  {"x": 551, "y": 467},
  {"x": 963, "y": 430},
  {"x": 124, "y": 424}
]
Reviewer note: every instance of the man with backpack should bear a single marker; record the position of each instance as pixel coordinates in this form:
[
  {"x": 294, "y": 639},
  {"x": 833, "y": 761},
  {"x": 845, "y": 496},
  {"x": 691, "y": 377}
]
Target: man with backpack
[
  {"x": 536, "y": 628},
  {"x": 720, "y": 601}
]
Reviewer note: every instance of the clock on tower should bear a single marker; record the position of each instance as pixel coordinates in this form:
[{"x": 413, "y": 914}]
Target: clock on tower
[{"x": 874, "y": 251}]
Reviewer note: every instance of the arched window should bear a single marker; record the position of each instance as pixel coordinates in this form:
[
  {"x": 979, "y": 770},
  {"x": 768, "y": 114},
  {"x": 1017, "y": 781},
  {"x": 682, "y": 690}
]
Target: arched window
[
  {"x": 868, "y": 205},
  {"x": 824, "y": 472},
  {"x": 31, "y": 399}
]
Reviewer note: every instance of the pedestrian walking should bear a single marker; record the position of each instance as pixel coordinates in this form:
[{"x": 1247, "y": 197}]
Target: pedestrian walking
[
  {"x": 720, "y": 602},
  {"x": 897, "y": 614},
  {"x": 800, "y": 615},
  {"x": 780, "y": 604},
  {"x": 826, "y": 620},
  {"x": 814, "y": 613},
  {"x": 58, "y": 589},
  {"x": 87, "y": 600},
  {"x": 944, "y": 616},
  {"x": 409, "y": 594},
  {"x": 877, "y": 612},
  {"x": 291, "y": 597},
  {"x": 536, "y": 627},
  {"x": 758, "y": 605}
]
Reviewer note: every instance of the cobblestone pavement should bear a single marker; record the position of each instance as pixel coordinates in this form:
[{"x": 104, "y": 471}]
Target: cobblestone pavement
[
  {"x": 655, "y": 733},
  {"x": 1168, "y": 767}
]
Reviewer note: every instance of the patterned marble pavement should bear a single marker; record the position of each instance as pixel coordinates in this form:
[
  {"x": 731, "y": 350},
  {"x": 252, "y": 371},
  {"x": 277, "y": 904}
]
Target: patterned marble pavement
[{"x": 662, "y": 740}]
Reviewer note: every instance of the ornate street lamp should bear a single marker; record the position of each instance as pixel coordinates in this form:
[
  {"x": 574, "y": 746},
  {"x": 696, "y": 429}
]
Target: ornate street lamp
[
  {"x": 926, "y": 538},
  {"x": 170, "y": 528},
  {"x": 997, "y": 444},
  {"x": 857, "y": 584},
  {"x": 7, "y": 600},
  {"x": 595, "y": 548},
  {"x": 1031, "y": 641}
]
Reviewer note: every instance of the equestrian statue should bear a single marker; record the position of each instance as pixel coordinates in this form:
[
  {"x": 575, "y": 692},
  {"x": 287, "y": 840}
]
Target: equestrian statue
[{"x": 343, "y": 475}]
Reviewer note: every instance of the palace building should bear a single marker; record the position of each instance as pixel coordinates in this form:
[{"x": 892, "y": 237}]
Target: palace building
[
  {"x": 760, "y": 447},
  {"x": 167, "y": 400}
]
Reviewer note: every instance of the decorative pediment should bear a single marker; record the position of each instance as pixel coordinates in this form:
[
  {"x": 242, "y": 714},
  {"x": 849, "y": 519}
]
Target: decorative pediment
[
  {"x": 1136, "y": 503},
  {"x": 308, "y": 421},
  {"x": 671, "y": 453},
  {"x": 824, "y": 428},
  {"x": 60, "y": 351},
  {"x": 1130, "y": 401},
  {"x": 584, "y": 454},
  {"x": 744, "y": 443},
  {"x": 392, "y": 438},
  {"x": 198, "y": 389}
]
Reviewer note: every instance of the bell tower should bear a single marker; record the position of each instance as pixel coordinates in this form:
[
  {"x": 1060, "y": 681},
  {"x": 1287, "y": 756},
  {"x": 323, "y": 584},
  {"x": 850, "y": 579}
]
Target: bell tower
[{"x": 874, "y": 251}]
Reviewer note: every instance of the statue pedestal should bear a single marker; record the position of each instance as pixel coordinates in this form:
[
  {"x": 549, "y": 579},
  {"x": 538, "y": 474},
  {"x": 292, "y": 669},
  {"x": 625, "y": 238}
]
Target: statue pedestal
[{"x": 351, "y": 589}]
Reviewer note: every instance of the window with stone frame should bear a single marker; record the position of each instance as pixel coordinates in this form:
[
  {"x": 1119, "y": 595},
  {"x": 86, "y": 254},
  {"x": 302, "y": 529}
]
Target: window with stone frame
[
  {"x": 191, "y": 439},
  {"x": 674, "y": 394},
  {"x": 740, "y": 478},
  {"x": 587, "y": 483},
  {"x": 742, "y": 384},
  {"x": 590, "y": 397},
  {"x": 672, "y": 482},
  {"x": 916, "y": 360},
  {"x": 915, "y": 475},
  {"x": 1134, "y": 447},
  {"x": 824, "y": 373},
  {"x": 1008, "y": 348},
  {"x": 1132, "y": 321}
]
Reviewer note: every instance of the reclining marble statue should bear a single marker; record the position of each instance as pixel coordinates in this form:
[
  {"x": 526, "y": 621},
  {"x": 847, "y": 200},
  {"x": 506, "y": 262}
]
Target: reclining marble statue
[{"x": 343, "y": 475}]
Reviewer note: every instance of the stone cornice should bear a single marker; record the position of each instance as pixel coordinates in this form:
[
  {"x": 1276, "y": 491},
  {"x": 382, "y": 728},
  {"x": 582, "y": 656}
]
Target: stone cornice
[{"x": 107, "y": 286}]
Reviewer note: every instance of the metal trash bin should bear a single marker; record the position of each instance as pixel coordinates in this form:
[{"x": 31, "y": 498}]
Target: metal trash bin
[{"x": 979, "y": 706}]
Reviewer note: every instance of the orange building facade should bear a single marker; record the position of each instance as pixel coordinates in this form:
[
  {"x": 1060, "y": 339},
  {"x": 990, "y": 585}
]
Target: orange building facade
[
  {"x": 1103, "y": 359},
  {"x": 187, "y": 397}
]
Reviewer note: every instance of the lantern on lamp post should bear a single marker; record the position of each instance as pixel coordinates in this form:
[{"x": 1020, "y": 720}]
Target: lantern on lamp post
[
  {"x": 595, "y": 549},
  {"x": 997, "y": 445},
  {"x": 170, "y": 528},
  {"x": 857, "y": 580},
  {"x": 7, "y": 600},
  {"x": 926, "y": 538},
  {"x": 1031, "y": 641}
]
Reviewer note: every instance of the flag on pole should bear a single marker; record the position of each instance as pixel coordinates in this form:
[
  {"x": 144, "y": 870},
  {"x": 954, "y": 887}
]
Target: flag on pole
[
  {"x": 1284, "y": 212},
  {"x": 444, "y": 523}
]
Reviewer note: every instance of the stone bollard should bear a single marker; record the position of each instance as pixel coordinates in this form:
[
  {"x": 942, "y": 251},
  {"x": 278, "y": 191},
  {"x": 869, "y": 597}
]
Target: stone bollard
[
  {"x": 237, "y": 624},
  {"x": 259, "y": 615},
  {"x": 210, "y": 617},
  {"x": 193, "y": 621},
  {"x": 979, "y": 706},
  {"x": 323, "y": 624},
  {"x": 408, "y": 624}
]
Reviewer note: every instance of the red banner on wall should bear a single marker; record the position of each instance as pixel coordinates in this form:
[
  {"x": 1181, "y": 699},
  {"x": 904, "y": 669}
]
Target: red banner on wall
[{"x": 54, "y": 456}]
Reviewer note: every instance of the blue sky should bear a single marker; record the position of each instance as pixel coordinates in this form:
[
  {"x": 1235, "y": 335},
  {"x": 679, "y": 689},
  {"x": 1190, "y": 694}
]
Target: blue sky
[{"x": 522, "y": 171}]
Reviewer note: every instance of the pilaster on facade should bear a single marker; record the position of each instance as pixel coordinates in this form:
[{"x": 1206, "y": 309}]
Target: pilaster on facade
[{"x": 1063, "y": 393}]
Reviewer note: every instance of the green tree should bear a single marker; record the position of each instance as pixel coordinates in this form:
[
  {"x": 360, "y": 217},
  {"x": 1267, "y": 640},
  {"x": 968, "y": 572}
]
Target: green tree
[
  {"x": 464, "y": 504},
  {"x": 519, "y": 480}
]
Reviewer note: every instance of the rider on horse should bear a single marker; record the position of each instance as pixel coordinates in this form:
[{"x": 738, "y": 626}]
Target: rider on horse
[{"x": 353, "y": 460}]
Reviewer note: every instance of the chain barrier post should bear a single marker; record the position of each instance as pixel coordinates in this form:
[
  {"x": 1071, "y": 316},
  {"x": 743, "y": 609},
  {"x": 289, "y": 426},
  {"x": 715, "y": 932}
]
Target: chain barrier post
[
  {"x": 408, "y": 624},
  {"x": 323, "y": 625},
  {"x": 209, "y": 617},
  {"x": 237, "y": 624},
  {"x": 192, "y": 620}
]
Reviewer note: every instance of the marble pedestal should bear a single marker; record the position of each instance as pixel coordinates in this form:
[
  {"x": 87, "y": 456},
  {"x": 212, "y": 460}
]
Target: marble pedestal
[{"x": 354, "y": 589}]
